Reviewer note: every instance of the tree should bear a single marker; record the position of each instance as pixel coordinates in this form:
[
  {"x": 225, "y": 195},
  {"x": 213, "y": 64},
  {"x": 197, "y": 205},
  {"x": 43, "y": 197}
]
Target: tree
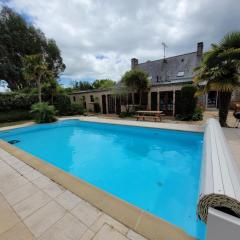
[
  {"x": 103, "y": 84},
  {"x": 82, "y": 85},
  {"x": 97, "y": 84},
  {"x": 50, "y": 89},
  {"x": 18, "y": 39},
  {"x": 53, "y": 58},
  {"x": 136, "y": 80},
  {"x": 35, "y": 70},
  {"x": 219, "y": 71}
]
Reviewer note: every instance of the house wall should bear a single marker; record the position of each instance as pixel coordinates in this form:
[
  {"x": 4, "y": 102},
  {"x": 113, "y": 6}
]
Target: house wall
[
  {"x": 202, "y": 100},
  {"x": 79, "y": 97},
  {"x": 86, "y": 97}
]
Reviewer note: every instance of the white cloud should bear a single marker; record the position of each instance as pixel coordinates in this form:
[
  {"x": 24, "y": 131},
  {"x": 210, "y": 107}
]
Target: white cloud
[
  {"x": 121, "y": 29},
  {"x": 3, "y": 86}
]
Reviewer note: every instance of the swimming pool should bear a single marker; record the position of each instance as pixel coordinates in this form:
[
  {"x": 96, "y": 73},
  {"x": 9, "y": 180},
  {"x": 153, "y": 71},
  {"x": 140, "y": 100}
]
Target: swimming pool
[{"x": 156, "y": 170}]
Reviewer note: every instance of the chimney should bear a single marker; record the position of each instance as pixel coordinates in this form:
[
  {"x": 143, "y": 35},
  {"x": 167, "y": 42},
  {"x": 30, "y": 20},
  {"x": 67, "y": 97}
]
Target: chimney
[
  {"x": 200, "y": 49},
  {"x": 134, "y": 63}
]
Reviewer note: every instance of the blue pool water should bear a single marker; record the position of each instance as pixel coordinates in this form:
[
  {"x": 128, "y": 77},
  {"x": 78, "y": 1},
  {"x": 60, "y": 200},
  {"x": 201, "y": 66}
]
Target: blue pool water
[{"x": 156, "y": 170}]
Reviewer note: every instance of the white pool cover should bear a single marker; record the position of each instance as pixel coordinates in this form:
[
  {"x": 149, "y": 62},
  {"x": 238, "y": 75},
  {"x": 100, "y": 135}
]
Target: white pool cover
[{"x": 220, "y": 183}]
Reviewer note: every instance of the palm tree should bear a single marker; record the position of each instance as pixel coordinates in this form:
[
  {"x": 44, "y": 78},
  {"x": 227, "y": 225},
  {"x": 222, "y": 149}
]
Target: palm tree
[
  {"x": 219, "y": 71},
  {"x": 36, "y": 69},
  {"x": 136, "y": 80}
]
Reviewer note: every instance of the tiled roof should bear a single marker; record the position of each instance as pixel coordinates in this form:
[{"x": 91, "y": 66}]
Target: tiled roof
[{"x": 173, "y": 69}]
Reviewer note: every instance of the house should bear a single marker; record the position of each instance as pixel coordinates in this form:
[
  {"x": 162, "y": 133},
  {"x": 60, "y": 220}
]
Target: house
[{"x": 167, "y": 76}]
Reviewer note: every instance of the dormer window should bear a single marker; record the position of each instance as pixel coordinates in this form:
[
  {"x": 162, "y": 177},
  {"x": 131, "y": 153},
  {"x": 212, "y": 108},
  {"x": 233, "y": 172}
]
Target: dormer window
[{"x": 180, "y": 74}]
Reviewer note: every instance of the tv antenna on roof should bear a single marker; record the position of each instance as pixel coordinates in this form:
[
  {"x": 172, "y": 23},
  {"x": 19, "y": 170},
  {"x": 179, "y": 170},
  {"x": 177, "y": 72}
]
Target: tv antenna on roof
[{"x": 164, "y": 50}]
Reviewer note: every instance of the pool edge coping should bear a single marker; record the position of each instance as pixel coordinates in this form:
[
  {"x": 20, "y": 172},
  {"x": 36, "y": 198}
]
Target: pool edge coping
[
  {"x": 146, "y": 224},
  {"x": 159, "y": 125}
]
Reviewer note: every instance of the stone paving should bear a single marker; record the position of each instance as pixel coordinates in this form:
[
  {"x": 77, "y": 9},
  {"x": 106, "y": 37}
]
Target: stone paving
[
  {"x": 233, "y": 139},
  {"x": 34, "y": 207}
]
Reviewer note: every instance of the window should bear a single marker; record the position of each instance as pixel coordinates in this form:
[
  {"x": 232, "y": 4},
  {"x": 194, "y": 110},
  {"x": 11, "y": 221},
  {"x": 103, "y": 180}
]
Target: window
[
  {"x": 180, "y": 74},
  {"x": 111, "y": 103},
  {"x": 74, "y": 98},
  {"x": 91, "y": 98}
]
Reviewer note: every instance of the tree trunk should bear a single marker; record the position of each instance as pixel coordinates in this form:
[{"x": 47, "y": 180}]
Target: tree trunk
[
  {"x": 52, "y": 96},
  {"x": 224, "y": 102},
  {"x": 39, "y": 89},
  {"x": 127, "y": 104}
]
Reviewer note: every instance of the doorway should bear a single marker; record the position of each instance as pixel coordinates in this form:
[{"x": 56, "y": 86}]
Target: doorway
[
  {"x": 154, "y": 101},
  {"x": 212, "y": 97},
  {"x": 104, "y": 108},
  {"x": 118, "y": 104},
  {"x": 166, "y": 102},
  {"x": 111, "y": 103}
]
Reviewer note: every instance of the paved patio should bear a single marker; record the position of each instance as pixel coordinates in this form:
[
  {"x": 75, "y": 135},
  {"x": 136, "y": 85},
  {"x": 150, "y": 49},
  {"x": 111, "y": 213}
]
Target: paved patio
[
  {"x": 233, "y": 138},
  {"x": 34, "y": 207}
]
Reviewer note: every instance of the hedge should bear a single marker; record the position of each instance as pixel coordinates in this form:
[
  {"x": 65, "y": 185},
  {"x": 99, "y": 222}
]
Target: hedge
[
  {"x": 15, "y": 115},
  {"x": 62, "y": 103},
  {"x": 16, "y": 106},
  {"x": 13, "y": 101}
]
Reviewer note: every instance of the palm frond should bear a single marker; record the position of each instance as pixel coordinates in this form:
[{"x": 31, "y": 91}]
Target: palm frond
[
  {"x": 232, "y": 54},
  {"x": 231, "y": 40},
  {"x": 210, "y": 58}
]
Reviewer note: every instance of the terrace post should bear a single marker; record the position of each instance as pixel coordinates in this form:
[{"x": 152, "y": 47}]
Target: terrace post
[
  {"x": 174, "y": 93},
  {"x": 149, "y": 101},
  {"x": 158, "y": 101},
  {"x": 107, "y": 104},
  {"x": 133, "y": 99}
]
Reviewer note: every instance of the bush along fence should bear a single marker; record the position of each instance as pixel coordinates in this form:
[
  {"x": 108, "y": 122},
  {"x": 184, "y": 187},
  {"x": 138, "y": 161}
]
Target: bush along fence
[{"x": 17, "y": 106}]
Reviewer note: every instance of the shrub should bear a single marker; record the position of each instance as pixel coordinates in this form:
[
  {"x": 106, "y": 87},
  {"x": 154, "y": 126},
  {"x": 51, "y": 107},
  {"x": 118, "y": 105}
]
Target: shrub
[
  {"x": 13, "y": 101},
  {"x": 125, "y": 114},
  {"x": 14, "y": 115},
  {"x": 186, "y": 103},
  {"x": 76, "y": 109},
  {"x": 198, "y": 114},
  {"x": 62, "y": 103},
  {"x": 43, "y": 113},
  {"x": 184, "y": 117}
]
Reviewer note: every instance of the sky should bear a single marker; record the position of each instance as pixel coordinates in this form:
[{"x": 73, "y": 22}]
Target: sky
[{"x": 98, "y": 38}]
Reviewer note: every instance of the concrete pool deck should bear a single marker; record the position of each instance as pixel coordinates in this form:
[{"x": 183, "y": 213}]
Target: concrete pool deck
[{"x": 132, "y": 122}]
